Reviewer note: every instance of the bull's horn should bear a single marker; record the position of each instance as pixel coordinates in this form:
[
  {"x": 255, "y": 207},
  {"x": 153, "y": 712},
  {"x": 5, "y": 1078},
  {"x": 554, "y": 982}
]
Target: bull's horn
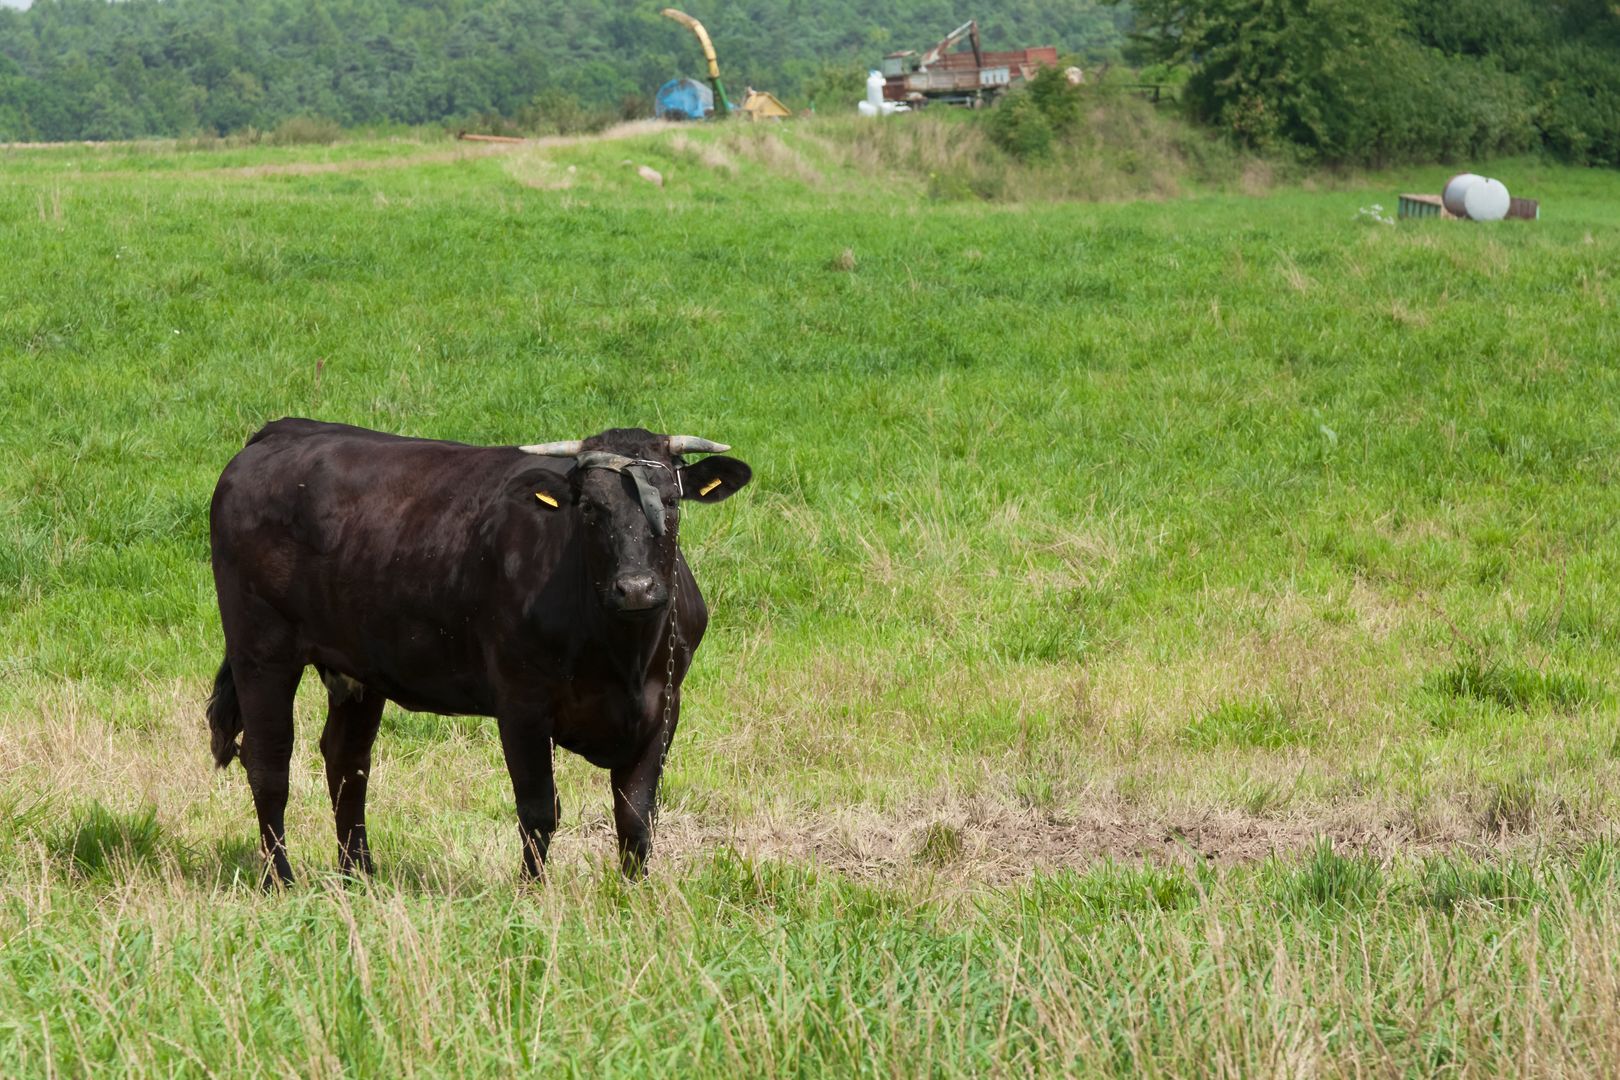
[
  {"x": 555, "y": 449},
  {"x": 691, "y": 444}
]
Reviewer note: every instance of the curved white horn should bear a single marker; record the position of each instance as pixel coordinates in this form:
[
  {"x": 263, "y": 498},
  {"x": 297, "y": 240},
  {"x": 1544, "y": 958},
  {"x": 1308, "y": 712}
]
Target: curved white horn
[
  {"x": 555, "y": 449},
  {"x": 691, "y": 444}
]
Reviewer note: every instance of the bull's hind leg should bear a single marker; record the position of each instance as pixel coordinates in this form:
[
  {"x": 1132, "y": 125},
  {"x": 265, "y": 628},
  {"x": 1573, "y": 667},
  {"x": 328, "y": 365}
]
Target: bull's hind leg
[
  {"x": 352, "y": 716},
  {"x": 266, "y": 693}
]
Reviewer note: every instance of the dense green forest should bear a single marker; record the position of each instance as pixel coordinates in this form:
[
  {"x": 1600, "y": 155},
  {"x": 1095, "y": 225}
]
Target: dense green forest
[
  {"x": 1339, "y": 81},
  {"x": 89, "y": 69},
  {"x": 1380, "y": 81}
]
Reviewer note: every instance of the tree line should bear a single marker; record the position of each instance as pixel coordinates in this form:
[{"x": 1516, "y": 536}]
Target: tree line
[
  {"x": 1335, "y": 81},
  {"x": 90, "y": 69}
]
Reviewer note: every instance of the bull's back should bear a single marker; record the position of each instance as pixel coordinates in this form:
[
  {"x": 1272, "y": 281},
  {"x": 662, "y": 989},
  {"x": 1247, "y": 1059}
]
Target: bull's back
[
  {"x": 313, "y": 476},
  {"x": 319, "y": 517}
]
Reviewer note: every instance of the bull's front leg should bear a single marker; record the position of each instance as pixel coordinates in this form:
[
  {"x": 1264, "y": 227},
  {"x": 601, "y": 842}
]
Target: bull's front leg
[
  {"x": 527, "y": 746},
  {"x": 635, "y": 793}
]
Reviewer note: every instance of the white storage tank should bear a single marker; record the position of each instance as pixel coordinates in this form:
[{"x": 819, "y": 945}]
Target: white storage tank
[
  {"x": 1487, "y": 200},
  {"x": 1478, "y": 198},
  {"x": 874, "y": 88},
  {"x": 1452, "y": 194}
]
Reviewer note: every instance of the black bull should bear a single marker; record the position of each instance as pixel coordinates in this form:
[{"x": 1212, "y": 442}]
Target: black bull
[{"x": 491, "y": 581}]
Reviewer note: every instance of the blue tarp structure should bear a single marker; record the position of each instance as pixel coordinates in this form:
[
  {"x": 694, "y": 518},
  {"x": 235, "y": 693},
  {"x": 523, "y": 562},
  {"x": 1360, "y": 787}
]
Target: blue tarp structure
[{"x": 684, "y": 99}]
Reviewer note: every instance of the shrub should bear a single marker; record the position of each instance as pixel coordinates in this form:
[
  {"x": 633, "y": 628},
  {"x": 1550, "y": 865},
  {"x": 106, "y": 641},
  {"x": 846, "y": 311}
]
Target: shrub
[
  {"x": 305, "y": 131},
  {"x": 1057, "y": 99},
  {"x": 1019, "y": 127}
]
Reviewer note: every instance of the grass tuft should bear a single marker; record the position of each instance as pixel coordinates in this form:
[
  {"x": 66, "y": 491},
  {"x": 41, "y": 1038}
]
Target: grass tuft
[
  {"x": 103, "y": 842},
  {"x": 1516, "y": 687},
  {"x": 1330, "y": 881},
  {"x": 1451, "y": 885},
  {"x": 1509, "y": 806},
  {"x": 1259, "y": 722},
  {"x": 740, "y": 881},
  {"x": 1109, "y": 891},
  {"x": 940, "y": 844},
  {"x": 20, "y": 819}
]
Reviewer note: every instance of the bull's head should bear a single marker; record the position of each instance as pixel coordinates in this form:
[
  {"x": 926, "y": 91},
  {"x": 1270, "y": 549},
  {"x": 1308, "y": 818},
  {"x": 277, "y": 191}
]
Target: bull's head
[{"x": 627, "y": 485}]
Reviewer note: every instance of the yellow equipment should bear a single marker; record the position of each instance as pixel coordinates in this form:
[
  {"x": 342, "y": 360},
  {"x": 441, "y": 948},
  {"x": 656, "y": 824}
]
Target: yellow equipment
[{"x": 762, "y": 105}]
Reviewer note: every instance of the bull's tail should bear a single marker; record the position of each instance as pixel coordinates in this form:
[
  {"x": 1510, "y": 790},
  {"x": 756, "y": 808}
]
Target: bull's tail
[{"x": 224, "y": 716}]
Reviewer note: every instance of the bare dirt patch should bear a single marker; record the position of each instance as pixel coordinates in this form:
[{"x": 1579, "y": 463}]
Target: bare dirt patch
[
  {"x": 995, "y": 844},
  {"x": 428, "y": 154},
  {"x": 460, "y": 152}
]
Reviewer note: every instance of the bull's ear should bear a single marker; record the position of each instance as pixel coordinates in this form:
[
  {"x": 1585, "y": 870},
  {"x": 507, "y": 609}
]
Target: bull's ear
[
  {"x": 544, "y": 490},
  {"x": 714, "y": 478}
]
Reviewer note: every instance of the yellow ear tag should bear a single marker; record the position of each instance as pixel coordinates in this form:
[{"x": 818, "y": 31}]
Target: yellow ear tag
[
  {"x": 710, "y": 486},
  {"x": 547, "y": 499}
]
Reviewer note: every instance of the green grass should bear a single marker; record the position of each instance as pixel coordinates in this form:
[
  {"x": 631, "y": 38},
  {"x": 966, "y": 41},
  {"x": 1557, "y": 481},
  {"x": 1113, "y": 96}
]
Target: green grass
[{"x": 1193, "y": 530}]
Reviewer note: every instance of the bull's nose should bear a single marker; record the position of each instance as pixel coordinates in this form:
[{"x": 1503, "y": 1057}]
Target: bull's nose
[{"x": 638, "y": 592}]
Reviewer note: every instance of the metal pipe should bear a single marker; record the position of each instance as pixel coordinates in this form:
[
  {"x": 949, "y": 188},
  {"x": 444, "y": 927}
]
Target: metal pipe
[{"x": 721, "y": 101}]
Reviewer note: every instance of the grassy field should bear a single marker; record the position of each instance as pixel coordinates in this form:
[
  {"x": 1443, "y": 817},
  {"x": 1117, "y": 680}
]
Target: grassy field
[{"x": 1167, "y": 635}]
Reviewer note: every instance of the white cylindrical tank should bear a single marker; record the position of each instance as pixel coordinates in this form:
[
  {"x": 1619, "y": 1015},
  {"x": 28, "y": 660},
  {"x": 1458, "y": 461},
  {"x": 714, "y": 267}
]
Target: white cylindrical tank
[
  {"x": 1486, "y": 201},
  {"x": 1456, "y": 188},
  {"x": 874, "y": 88}
]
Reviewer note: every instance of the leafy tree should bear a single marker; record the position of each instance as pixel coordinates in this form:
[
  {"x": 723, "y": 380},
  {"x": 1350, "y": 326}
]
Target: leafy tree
[{"x": 1388, "y": 80}]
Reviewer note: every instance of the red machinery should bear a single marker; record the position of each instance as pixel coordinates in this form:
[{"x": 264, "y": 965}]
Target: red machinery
[{"x": 967, "y": 78}]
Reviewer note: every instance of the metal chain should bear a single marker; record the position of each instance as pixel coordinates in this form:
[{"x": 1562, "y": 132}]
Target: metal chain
[
  {"x": 669, "y": 673},
  {"x": 669, "y": 665}
]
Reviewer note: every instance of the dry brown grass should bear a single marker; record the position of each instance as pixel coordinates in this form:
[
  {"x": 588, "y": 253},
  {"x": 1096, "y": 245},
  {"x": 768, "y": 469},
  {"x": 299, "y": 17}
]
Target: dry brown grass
[
  {"x": 1296, "y": 278},
  {"x": 704, "y": 152},
  {"x": 1124, "y": 149},
  {"x": 533, "y": 168},
  {"x": 767, "y": 147}
]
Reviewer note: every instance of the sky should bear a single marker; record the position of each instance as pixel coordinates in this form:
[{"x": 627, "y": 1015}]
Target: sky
[{"x": 15, "y": 3}]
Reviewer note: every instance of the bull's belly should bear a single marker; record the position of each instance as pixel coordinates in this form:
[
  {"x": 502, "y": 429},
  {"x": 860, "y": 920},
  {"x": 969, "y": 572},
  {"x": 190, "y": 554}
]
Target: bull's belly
[
  {"x": 444, "y": 704},
  {"x": 446, "y": 688},
  {"x": 608, "y": 728},
  {"x": 606, "y": 724}
]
